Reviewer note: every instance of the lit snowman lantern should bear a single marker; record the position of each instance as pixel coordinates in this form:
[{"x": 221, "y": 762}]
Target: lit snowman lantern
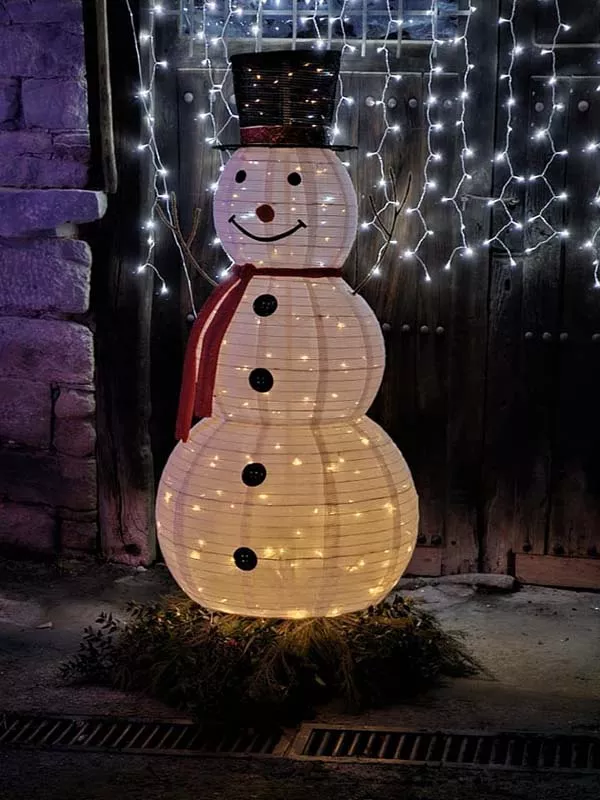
[{"x": 285, "y": 500}]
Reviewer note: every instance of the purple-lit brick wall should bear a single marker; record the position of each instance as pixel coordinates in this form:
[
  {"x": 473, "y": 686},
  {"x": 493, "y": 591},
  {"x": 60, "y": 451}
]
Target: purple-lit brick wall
[{"x": 48, "y": 493}]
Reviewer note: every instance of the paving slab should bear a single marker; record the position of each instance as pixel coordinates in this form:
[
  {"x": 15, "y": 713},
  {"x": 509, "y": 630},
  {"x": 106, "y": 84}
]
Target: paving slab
[{"x": 540, "y": 649}]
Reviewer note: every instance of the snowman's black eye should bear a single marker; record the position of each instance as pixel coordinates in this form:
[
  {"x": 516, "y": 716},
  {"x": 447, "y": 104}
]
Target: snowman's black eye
[
  {"x": 294, "y": 178},
  {"x": 240, "y": 176}
]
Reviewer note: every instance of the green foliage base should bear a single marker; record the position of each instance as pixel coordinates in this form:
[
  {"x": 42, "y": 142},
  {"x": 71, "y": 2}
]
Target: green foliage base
[{"x": 229, "y": 669}]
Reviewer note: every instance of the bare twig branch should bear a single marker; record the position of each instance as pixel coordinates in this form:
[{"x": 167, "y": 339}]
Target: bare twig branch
[
  {"x": 195, "y": 223},
  {"x": 389, "y": 231},
  {"x": 377, "y": 217},
  {"x": 185, "y": 243}
]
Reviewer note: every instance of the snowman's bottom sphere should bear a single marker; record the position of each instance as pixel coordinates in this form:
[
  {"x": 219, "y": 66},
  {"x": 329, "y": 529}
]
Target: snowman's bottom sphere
[{"x": 273, "y": 521}]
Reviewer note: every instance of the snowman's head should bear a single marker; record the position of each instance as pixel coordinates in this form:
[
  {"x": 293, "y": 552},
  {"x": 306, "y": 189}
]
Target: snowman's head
[{"x": 286, "y": 207}]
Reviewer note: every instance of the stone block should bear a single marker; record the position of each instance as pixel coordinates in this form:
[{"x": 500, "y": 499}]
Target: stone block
[
  {"x": 43, "y": 173},
  {"x": 75, "y": 146},
  {"x": 38, "y": 159},
  {"x": 42, "y": 50},
  {"x": 79, "y": 536},
  {"x": 45, "y": 350},
  {"x": 25, "y": 412},
  {"x": 48, "y": 479},
  {"x": 79, "y": 516},
  {"x": 24, "y": 143},
  {"x": 30, "y": 11},
  {"x": 78, "y": 483},
  {"x": 27, "y": 528},
  {"x": 54, "y": 104},
  {"x": 74, "y": 404},
  {"x": 9, "y": 102},
  {"x": 44, "y": 275},
  {"x": 75, "y": 437},
  {"x": 29, "y": 210}
]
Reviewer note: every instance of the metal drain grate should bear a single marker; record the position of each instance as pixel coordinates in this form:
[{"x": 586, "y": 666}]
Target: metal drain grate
[
  {"x": 177, "y": 737},
  {"x": 502, "y": 750}
]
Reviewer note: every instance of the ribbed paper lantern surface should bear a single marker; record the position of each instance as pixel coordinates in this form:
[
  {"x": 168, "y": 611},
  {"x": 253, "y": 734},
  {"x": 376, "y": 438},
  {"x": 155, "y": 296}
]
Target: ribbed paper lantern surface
[
  {"x": 286, "y": 501},
  {"x": 287, "y": 521},
  {"x": 307, "y": 190}
]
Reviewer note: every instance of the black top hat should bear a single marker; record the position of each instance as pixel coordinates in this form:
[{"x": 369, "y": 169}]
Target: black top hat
[{"x": 285, "y": 98}]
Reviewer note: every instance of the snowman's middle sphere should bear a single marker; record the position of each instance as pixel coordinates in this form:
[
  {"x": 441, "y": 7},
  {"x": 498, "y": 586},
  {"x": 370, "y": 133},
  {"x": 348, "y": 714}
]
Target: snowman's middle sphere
[{"x": 286, "y": 207}]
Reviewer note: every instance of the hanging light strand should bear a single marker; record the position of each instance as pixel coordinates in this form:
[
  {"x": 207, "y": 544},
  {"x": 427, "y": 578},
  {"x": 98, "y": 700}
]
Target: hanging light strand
[
  {"x": 394, "y": 24},
  {"x": 457, "y": 199},
  {"x": 159, "y": 183},
  {"x": 429, "y": 182},
  {"x": 504, "y": 156},
  {"x": 215, "y": 47},
  {"x": 593, "y": 243},
  {"x": 543, "y": 135},
  {"x": 434, "y": 156}
]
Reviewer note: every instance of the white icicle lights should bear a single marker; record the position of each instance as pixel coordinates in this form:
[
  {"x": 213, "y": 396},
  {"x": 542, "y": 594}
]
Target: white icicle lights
[{"x": 288, "y": 501}]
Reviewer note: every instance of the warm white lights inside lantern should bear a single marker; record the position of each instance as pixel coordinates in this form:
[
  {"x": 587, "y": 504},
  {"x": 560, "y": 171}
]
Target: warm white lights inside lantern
[
  {"x": 307, "y": 190},
  {"x": 288, "y": 501},
  {"x": 287, "y": 521}
]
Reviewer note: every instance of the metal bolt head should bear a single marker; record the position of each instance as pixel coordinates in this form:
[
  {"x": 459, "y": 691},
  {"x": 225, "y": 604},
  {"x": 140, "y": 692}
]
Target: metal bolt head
[
  {"x": 596, "y": 337},
  {"x": 448, "y": 103},
  {"x": 392, "y": 102},
  {"x": 583, "y": 105},
  {"x": 539, "y": 106},
  {"x": 190, "y": 319},
  {"x": 564, "y": 336},
  {"x": 386, "y": 327},
  {"x": 547, "y": 337},
  {"x": 405, "y": 328},
  {"x": 529, "y": 334},
  {"x": 440, "y": 330},
  {"x": 188, "y": 97},
  {"x": 424, "y": 329},
  {"x": 370, "y": 101},
  {"x": 413, "y": 102}
]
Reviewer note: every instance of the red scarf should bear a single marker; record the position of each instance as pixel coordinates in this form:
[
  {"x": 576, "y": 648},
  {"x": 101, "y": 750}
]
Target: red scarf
[{"x": 197, "y": 391}]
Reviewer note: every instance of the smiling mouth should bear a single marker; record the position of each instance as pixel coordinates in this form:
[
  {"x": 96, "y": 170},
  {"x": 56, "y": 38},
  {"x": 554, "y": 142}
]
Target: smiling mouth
[{"x": 275, "y": 238}]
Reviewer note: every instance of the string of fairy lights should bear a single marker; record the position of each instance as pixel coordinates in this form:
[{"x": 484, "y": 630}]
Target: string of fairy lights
[
  {"x": 219, "y": 114},
  {"x": 148, "y": 144},
  {"x": 393, "y": 25},
  {"x": 543, "y": 135},
  {"x": 593, "y": 243},
  {"x": 435, "y": 127}
]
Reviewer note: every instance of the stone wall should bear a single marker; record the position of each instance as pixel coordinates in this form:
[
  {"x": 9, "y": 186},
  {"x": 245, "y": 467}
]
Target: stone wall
[{"x": 48, "y": 492}]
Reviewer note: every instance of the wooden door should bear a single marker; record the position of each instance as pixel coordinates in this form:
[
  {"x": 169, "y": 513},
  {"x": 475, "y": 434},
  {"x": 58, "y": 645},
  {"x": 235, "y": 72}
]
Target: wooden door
[
  {"x": 491, "y": 388},
  {"x": 432, "y": 397},
  {"x": 542, "y": 432}
]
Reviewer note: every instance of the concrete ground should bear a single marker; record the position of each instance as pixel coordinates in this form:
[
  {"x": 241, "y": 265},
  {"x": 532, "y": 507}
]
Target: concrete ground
[{"x": 540, "y": 647}]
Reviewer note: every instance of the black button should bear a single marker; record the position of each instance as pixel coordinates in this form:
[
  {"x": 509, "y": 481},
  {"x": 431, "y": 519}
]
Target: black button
[
  {"x": 294, "y": 179},
  {"x": 254, "y": 474},
  {"x": 265, "y": 305},
  {"x": 261, "y": 380},
  {"x": 240, "y": 176},
  {"x": 245, "y": 559}
]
